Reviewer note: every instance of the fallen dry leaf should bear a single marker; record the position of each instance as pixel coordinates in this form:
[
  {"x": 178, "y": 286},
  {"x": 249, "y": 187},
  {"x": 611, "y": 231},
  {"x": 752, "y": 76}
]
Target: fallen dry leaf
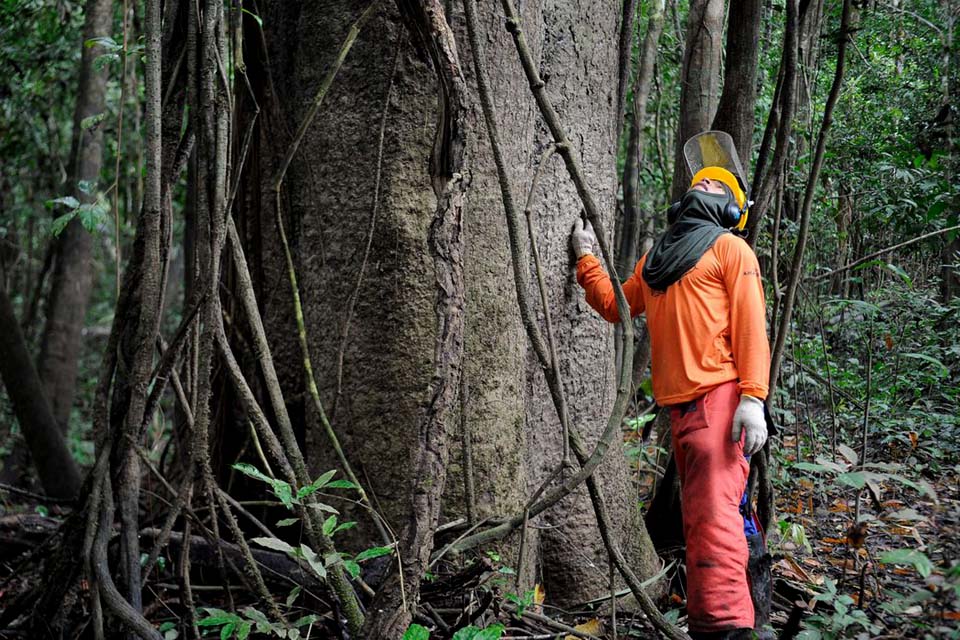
[
  {"x": 539, "y": 593},
  {"x": 592, "y": 626},
  {"x": 857, "y": 535}
]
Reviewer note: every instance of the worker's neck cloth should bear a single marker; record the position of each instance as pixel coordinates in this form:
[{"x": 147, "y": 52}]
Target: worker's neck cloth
[{"x": 682, "y": 245}]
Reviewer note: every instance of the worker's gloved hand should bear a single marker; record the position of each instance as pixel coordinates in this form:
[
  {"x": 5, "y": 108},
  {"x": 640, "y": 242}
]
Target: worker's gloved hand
[
  {"x": 582, "y": 238},
  {"x": 749, "y": 417}
]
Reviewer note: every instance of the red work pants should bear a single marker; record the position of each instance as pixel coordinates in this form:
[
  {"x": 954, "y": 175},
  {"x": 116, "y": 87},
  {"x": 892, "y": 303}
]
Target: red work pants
[{"x": 713, "y": 474}]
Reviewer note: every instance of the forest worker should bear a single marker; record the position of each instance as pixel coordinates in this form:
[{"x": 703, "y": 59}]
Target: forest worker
[{"x": 701, "y": 291}]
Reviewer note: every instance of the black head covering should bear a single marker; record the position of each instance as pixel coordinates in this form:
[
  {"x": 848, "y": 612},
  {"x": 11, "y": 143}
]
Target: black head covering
[{"x": 683, "y": 244}]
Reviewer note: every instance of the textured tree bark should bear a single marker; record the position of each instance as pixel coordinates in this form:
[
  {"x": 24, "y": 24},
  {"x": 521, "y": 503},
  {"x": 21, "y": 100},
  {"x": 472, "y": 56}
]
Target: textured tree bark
[
  {"x": 700, "y": 81},
  {"x": 389, "y": 355},
  {"x": 57, "y": 471},
  {"x": 72, "y": 278},
  {"x": 739, "y": 98},
  {"x": 578, "y": 57},
  {"x": 395, "y": 603}
]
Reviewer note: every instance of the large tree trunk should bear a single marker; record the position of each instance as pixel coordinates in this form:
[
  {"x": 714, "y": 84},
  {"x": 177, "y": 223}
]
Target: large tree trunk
[
  {"x": 578, "y": 56},
  {"x": 388, "y": 347},
  {"x": 73, "y": 274},
  {"x": 57, "y": 471}
]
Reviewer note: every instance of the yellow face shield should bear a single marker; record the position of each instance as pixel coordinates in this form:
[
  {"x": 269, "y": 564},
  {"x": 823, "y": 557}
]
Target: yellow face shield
[{"x": 712, "y": 155}]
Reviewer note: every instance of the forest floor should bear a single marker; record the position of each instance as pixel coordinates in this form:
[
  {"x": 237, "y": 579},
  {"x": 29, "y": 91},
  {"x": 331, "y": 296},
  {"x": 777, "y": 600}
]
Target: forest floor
[{"x": 896, "y": 575}]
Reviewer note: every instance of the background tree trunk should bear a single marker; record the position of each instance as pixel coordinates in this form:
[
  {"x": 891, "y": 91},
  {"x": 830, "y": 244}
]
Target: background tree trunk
[
  {"x": 57, "y": 471},
  {"x": 73, "y": 271},
  {"x": 700, "y": 81},
  {"x": 735, "y": 113}
]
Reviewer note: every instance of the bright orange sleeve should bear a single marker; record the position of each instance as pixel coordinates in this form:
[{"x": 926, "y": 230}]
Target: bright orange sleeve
[
  {"x": 599, "y": 290},
  {"x": 748, "y": 318}
]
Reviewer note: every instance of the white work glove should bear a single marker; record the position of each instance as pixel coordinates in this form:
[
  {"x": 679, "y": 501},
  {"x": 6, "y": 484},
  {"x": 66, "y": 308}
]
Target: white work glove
[
  {"x": 582, "y": 238},
  {"x": 749, "y": 417}
]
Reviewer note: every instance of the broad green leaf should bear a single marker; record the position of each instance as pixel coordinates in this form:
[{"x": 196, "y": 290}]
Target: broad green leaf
[
  {"x": 60, "y": 223},
  {"x": 915, "y": 558},
  {"x": 831, "y": 465},
  {"x": 276, "y": 544},
  {"x": 244, "y": 631},
  {"x": 906, "y": 514},
  {"x": 848, "y": 453},
  {"x": 227, "y": 630},
  {"x": 305, "y": 620},
  {"x": 493, "y": 632},
  {"x": 810, "y": 466},
  {"x": 343, "y": 526},
  {"x": 373, "y": 552},
  {"x": 216, "y": 621},
  {"x": 253, "y": 472},
  {"x": 91, "y": 214},
  {"x": 936, "y": 209},
  {"x": 263, "y": 624},
  {"x": 341, "y": 484},
  {"x": 286, "y": 522},
  {"x": 106, "y": 42},
  {"x": 352, "y": 568},
  {"x": 325, "y": 478},
  {"x": 416, "y": 632},
  {"x": 320, "y": 506},
  {"x": 284, "y": 492},
  {"x": 68, "y": 201},
  {"x": 329, "y": 525},
  {"x": 311, "y": 557},
  {"x": 292, "y": 596},
  {"x": 855, "y": 479},
  {"x": 316, "y": 485}
]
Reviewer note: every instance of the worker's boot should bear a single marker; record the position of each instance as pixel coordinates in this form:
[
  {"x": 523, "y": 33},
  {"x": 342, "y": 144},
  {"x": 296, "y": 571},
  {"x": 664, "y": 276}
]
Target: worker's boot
[{"x": 761, "y": 586}]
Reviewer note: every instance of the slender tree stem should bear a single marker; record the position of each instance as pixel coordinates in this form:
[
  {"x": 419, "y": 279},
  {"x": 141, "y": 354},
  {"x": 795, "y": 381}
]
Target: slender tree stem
[
  {"x": 796, "y": 270},
  {"x": 882, "y": 252}
]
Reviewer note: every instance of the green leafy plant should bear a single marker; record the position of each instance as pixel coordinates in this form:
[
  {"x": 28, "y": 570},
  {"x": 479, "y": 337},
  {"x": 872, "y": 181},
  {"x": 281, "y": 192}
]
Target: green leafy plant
[
  {"x": 331, "y": 526},
  {"x": 416, "y": 632},
  {"x": 239, "y": 626},
  {"x": 492, "y": 632},
  {"x": 839, "y": 623},
  {"x": 521, "y": 602}
]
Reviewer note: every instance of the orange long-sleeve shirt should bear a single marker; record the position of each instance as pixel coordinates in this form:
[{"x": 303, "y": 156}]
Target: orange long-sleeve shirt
[{"x": 706, "y": 329}]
